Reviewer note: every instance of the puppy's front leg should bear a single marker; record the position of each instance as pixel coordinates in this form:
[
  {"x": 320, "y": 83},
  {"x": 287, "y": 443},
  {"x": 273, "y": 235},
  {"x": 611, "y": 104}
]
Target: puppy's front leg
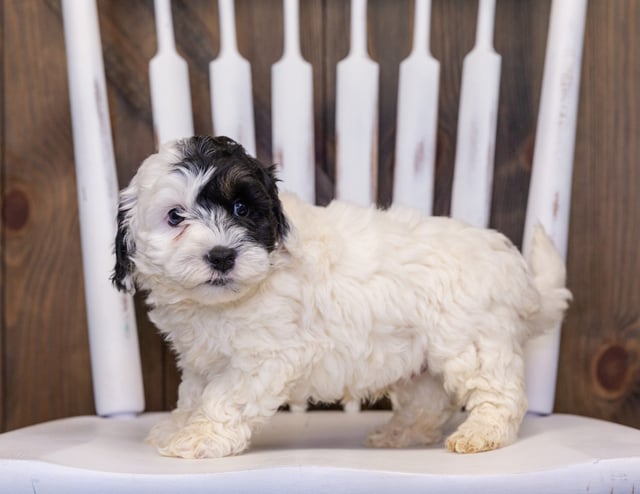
[
  {"x": 190, "y": 394},
  {"x": 232, "y": 406}
]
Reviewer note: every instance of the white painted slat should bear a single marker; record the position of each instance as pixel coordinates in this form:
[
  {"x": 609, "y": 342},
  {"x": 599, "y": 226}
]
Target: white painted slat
[
  {"x": 113, "y": 338},
  {"x": 292, "y": 112},
  {"x": 169, "y": 80},
  {"x": 357, "y": 123},
  {"x": 231, "y": 89},
  {"x": 357, "y": 116},
  {"x": 550, "y": 188},
  {"x": 417, "y": 121},
  {"x": 478, "y": 115}
]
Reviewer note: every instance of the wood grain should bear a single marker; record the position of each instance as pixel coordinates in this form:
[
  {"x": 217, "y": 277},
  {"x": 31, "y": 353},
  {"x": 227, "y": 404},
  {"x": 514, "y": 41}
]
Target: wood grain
[
  {"x": 44, "y": 359},
  {"x": 600, "y": 367},
  {"x": 2, "y": 227},
  {"x": 390, "y": 34},
  {"x": 128, "y": 43},
  {"x": 520, "y": 39},
  {"x": 47, "y": 372}
]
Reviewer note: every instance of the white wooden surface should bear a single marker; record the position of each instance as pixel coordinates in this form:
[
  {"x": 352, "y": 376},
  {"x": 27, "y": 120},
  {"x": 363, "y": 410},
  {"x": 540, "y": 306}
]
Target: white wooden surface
[{"x": 319, "y": 452}]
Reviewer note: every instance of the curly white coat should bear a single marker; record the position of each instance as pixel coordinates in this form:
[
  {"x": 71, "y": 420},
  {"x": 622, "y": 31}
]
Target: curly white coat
[{"x": 354, "y": 303}]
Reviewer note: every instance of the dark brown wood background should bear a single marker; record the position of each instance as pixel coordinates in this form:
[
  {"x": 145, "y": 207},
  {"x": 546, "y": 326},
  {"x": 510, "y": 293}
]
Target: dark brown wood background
[{"x": 44, "y": 360}]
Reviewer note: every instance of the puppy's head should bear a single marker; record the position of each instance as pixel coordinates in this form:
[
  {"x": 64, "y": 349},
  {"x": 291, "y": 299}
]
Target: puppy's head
[{"x": 197, "y": 223}]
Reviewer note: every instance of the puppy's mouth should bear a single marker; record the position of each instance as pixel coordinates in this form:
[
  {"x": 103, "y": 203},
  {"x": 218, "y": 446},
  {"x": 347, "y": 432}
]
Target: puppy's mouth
[{"x": 218, "y": 281}]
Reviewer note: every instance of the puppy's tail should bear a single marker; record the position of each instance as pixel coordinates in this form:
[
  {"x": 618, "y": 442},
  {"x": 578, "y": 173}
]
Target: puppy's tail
[{"x": 549, "y": 277}]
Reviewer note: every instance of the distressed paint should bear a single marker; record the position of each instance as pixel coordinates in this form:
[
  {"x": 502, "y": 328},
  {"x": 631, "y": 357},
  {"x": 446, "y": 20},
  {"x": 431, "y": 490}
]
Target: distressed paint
[
  {"x": 169, "y": 82},
  {"x": 477, "y": 120},
  {"x": 357, "y": 116},
  {"x": 292, "y": 111},
  {"x": 551, "y": 177},
  {"x": 417, "y": 118},
  {"x": 231, "y": 86},
  {"x": 115, "y": 356}
]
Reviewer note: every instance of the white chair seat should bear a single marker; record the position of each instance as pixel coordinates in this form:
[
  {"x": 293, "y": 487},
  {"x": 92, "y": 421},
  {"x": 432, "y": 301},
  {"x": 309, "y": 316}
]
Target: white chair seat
[{"x": 558, "y": 453}]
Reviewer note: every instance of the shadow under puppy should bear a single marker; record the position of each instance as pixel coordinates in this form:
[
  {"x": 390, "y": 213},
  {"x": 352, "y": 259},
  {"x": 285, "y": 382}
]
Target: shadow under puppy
[{"x": 267, "y": 299}]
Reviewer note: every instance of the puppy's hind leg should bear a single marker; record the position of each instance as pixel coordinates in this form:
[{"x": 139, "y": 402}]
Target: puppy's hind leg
[
  {"x": 490, "y": 382},
  {"x": 421, "y": 408}
]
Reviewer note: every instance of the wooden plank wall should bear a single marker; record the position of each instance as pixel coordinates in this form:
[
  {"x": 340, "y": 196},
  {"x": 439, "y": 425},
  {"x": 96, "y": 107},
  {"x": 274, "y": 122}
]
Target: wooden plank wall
[
  {"x": 44, "y": 361},
  {"x": 2, "y": 222}
]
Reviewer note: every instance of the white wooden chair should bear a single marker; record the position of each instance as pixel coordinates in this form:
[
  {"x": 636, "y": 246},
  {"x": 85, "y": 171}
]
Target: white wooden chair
[{"x": 318, "y": 451}]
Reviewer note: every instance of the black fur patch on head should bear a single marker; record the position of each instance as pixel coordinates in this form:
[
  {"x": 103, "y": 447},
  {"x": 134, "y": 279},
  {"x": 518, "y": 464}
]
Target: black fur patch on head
[
  {"x": 124, "y": 247},
  {"x": 237, "y": 177}
]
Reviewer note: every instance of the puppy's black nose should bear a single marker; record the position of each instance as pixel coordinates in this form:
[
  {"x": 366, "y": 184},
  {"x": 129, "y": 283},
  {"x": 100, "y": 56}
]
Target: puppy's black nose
[{"x": 222, "y": 258}]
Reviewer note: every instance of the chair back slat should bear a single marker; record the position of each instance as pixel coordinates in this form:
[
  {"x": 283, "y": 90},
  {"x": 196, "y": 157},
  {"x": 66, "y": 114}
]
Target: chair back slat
[
  {"x": 417, "y": 118},
  {"x": 292, "y": 112},
  {"x": 357, "y": 129},
  {"x": 113, "y": 337},
  {"x": 231, "y": 88},
  {"x": 357, "y": 117},
  {"x": 477, "y": 120},
  {"x": 169, "y": 82},
  {"x": 550, "y": 188}
]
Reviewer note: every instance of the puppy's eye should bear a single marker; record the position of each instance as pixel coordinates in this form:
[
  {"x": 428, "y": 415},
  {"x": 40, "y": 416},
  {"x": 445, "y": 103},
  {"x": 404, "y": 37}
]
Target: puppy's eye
[
  {"x": 174, "y": 217},
  {"x": 240, "y": 208}
]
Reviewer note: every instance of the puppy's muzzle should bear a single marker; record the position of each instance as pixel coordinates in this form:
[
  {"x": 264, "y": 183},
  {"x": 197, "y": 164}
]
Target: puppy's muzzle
[{"x": 222, "y": 259}]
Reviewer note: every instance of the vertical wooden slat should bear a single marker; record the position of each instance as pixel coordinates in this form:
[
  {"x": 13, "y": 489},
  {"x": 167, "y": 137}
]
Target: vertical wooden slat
[
  {"x": 390, "y": 36},
  {"x": 169, "y": 81},
  {"x": 416, "y": 126},
  {"x": 312, "y": 48},
  {"x": 2, "y": 227},
  {"x": 599, "y": 373},
  {"x": 477, "y": 122},
  {"x": 549, "y": 199},
  {"x": 336, "y": 47},
  {"x": 357, "y": 115},
  {"x": 292, "y": 111},
  {"x": 129, "y": 42},
  {"x": 520, "y": 36},
  {"x": 47, "y": 369},
  {"x": 452, "y": 36},
  {"x": 198, "y": 41},
  {"x": 259, "y": 27},
  {"x": 113, "y": 336},
  {"x": 231, "y": 85}
]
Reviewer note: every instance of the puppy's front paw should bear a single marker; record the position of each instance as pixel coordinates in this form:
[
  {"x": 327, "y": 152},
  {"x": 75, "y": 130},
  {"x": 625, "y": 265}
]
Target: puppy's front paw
[
  {"x": 204, "y": 439},
  {"x": 162, "y": 432},
  {"x": 475, "y": 438}
]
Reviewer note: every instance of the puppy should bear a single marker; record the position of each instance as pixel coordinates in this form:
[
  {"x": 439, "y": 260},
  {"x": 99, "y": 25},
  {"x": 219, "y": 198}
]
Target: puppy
[{"x": 268, "y": 300}]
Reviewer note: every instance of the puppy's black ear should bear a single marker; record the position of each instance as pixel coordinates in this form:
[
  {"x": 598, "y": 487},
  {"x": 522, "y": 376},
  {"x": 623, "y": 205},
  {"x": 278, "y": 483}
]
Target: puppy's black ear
[
  {"x": 282, "y": 225},
  {"x": 124, "y": 247}
]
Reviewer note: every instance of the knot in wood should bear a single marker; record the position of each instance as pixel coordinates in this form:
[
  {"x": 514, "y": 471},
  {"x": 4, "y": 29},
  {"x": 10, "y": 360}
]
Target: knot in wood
[
  {"x": 613, "y": 370},
  {"x": 16, "y": 210}
]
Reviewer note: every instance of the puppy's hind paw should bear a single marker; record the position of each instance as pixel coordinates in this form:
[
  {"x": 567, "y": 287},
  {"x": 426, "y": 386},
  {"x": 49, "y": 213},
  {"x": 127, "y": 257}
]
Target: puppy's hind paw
[{"x": 397, "y": 436}]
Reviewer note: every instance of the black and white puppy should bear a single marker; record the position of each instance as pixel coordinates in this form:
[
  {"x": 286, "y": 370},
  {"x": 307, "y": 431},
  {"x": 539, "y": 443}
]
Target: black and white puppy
[{"x": 267, "y": 299}]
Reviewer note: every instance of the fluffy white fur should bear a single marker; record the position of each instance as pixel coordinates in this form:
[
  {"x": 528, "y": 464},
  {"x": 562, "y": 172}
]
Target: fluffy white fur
[{"x": 353, "y": 303}]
